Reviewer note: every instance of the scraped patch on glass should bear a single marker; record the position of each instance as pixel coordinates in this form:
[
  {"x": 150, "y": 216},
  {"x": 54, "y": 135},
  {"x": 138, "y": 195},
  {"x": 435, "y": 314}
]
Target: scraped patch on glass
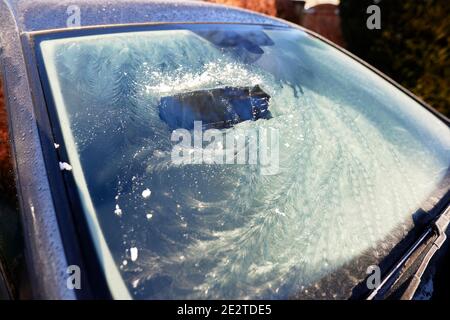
[{"x": 215, "y": 108}]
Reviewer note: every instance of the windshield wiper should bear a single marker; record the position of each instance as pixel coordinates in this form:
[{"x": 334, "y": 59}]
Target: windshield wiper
[
  {"x": 440, "y": 227},
  {"x": 426, "y": 247}
]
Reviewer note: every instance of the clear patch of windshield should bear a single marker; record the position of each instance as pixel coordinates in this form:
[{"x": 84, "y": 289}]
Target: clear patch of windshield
[{"x": 356, "y": 158}]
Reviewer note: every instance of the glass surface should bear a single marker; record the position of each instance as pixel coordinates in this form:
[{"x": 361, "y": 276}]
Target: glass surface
[{"x": 356, "y": 158}]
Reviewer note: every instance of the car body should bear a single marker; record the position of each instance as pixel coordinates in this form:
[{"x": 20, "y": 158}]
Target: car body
[{"x": 55, "y": 236}]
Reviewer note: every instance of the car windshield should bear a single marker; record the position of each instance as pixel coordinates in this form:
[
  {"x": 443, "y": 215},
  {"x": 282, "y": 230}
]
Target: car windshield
[{"x": 237, "y": 161}]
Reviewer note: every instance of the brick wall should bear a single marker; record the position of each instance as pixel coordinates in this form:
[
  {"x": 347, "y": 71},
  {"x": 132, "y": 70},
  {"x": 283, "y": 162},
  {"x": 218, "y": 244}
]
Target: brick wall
[{"x": 325, "y": 20}]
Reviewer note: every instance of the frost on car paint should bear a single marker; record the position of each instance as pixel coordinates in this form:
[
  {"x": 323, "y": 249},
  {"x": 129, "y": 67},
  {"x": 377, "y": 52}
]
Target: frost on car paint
[{"x": 357, "y": 159}]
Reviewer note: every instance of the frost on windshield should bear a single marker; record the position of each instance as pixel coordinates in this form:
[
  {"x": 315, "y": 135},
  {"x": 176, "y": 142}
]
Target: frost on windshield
[{"x": 357, "y": 158}]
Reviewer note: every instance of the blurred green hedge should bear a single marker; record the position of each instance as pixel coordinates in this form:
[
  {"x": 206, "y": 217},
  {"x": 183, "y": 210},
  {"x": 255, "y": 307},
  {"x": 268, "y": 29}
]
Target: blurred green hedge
[{"x": 412, "y": 47}]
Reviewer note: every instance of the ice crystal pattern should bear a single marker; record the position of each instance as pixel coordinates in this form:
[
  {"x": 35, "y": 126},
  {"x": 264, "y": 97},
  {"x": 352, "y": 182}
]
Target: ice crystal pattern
[{"x": 354, "y": 164}]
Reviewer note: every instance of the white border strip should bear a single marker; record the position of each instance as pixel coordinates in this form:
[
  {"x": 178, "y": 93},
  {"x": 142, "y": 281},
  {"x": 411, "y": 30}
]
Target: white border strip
[{"x": 115, "y": 281}]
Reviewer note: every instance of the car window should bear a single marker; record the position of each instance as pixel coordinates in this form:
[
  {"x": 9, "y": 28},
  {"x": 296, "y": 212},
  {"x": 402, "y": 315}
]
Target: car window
[{"x": 237, "y": 161}]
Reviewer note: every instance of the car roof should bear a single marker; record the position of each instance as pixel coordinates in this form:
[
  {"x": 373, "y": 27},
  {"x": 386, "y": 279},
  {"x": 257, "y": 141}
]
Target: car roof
[{"x": 53, "y": 14}]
